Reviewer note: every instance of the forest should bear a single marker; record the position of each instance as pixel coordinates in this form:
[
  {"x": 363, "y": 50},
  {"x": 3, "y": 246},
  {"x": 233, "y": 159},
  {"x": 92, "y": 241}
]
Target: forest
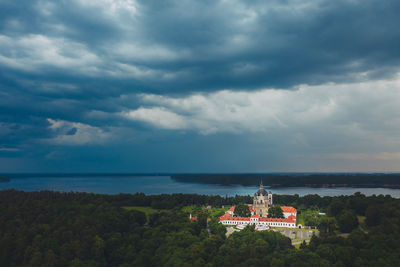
[{"x": 82, "y": 229}]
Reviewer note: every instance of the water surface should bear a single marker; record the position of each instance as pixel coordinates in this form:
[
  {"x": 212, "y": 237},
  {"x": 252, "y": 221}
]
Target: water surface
[{"x": 115, "y": 184}]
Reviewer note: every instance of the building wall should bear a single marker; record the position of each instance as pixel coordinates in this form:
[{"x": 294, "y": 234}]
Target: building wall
[
  {"x": 261, "y": 205},
  {"x": 287, "y": 214},
  {"x": 252, "y": 222}
]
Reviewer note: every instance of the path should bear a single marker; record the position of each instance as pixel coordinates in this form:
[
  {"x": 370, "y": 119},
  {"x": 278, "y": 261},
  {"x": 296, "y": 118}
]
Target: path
[
  {"x": 230, "y": 230},
  {"x": 299, "y": 242}
]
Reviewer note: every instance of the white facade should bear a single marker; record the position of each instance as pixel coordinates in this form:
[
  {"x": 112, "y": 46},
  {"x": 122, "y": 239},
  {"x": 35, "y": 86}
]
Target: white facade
[
  {"x": 287, "y": 214},
  {"x": 256, "y": 221}
]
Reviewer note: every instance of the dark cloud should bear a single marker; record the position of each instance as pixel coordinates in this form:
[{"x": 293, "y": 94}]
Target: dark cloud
[
  {"x": 213, "y": 45},
  {"x": 83, "y": 63}
]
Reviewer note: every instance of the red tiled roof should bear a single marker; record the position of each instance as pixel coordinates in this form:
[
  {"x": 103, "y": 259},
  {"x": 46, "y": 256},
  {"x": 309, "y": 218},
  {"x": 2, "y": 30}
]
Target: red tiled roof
[
  {"x": 223, "y": 218},
  {"x": 275, "y": 220},
  {"x": 251, "y": 208},
  {"x": 193, "y": 219},
  {"x": 288, "y": 209}
]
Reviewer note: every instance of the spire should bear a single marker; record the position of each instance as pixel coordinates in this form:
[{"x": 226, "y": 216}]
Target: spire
[{"x": 261, "y": 185}]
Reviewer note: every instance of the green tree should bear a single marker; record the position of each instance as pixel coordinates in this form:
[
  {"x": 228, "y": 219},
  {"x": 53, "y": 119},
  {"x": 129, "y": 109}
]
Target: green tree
[
  {"x": 98, "y": 248},
  {"x": 277, "y": 263},
  {"x": 242, "y": 210},
  {"x": 261, "y": 247},
  {"x": 202, "y": 218},
  {"x": 347, "y": 221},
  {"x": 275, "y": 212},
  {"x": 217, "y": 228},
  {"x": 356, "y": 239},
  {"x": 327, "y": 226},
  {"x": 373, "y": 215},
  {"x": 335, "y": 207},
  {"x": 50, "y": 259}
]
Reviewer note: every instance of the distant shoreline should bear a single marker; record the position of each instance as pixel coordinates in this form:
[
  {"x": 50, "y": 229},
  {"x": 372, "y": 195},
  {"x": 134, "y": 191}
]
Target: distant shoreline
[
  {"x": 296, "y": 180},
  {"x": 4, "y": 179},
  {"x": 272, "y": 180}
]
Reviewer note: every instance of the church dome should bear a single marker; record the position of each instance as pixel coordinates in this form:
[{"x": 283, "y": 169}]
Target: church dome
[{"x": 261, "y": 192}]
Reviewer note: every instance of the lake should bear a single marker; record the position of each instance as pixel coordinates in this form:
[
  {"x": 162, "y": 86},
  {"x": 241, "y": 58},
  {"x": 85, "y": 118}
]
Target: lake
[{"x": 115, "y": 184}]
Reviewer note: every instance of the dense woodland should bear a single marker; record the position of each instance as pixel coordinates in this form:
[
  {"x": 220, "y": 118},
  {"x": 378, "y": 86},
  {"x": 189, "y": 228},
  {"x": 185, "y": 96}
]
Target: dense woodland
[
  {"x": 373, "y": 180},
  {"x": 81, "y": 229}
]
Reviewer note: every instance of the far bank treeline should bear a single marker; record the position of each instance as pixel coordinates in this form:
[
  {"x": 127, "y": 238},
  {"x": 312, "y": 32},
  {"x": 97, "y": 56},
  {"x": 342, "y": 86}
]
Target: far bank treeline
[
  {"x": 373, "y": 180},
  {"x": 80, "y": 229},
  {"x": 4, "y": 179}
]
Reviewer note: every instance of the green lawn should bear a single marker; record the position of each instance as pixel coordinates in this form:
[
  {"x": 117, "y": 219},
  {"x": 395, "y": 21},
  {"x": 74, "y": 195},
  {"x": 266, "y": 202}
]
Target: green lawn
[
  {"x": 361, "y": 220},
  {"x": 300, "y": 219},
  {"x": 309, "y": 217},
  {"x": 216, "y": 212},
  {"x": 297, "y": 246},
  {"x": 190, "y": 209},
  {"x": 213, "y": 212}
]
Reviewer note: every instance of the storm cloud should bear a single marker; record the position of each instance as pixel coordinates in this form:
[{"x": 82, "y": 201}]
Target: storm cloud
[{"x": 237, "y": 85}]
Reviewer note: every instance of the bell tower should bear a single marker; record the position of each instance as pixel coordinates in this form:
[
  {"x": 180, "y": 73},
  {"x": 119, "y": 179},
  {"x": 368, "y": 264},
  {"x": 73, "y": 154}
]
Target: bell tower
[{"x": 262, "y": 201}]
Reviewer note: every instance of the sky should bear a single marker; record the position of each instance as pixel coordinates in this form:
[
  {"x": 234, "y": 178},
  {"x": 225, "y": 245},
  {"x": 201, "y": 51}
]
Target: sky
[{"x": 199, "y": 86}]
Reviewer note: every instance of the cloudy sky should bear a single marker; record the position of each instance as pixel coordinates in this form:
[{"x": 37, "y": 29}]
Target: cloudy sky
[{"x": 199, "y": 86}]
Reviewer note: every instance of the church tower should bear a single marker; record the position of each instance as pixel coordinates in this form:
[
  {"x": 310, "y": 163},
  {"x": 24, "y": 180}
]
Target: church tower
[{"x": 262, "y": 201}]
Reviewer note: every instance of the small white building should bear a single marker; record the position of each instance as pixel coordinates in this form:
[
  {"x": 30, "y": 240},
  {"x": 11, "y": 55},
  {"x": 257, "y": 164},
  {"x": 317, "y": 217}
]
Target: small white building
[{"x": 289, "y": 211}]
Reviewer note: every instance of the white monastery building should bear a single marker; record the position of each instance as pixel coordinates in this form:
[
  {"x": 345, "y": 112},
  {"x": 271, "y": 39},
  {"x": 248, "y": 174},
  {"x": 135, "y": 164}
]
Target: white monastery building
[
  {"x": 259, "y": 211},
  {"x": 289, "y": 211}
]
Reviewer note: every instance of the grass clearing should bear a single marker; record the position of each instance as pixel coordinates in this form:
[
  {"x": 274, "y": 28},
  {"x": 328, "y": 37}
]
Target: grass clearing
[
  {"x": 300, "y": 219},
  {"x": 297, "y": 243},
  {"x": 309, "y": 217},
  {"x": 217, "y": 212},
  {"x": 361, "y": 220},
  {"x": 190, "y": 209},
  {"x": 213, "y": 212}
]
